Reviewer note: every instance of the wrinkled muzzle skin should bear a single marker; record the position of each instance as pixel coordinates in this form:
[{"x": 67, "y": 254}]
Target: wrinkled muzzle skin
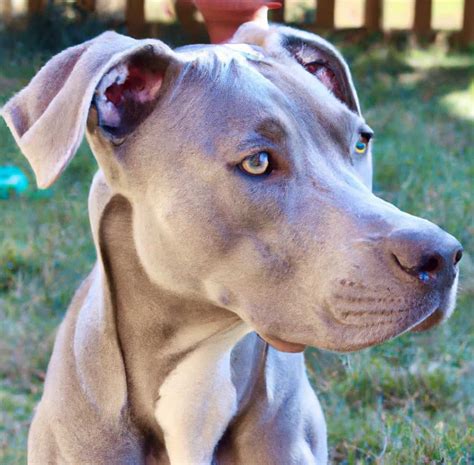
[{"x": 306, "y": 255}]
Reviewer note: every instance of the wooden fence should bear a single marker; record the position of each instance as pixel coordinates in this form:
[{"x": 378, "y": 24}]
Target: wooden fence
[
  {"x": 325, "y": 15},
  {"x": 373, "y": 17}
]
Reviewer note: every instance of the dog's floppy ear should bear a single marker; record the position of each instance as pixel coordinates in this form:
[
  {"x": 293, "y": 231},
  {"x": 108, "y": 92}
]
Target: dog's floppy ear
[
  {"x": 322, "y": 60},
  {"x": 315, "y": 54},
  {"x": 48, "y": 117}
]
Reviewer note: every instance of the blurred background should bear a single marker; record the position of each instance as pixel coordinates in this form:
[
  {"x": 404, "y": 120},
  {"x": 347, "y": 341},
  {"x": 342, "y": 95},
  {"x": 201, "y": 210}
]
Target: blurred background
[{"x": 407, "y": 402}]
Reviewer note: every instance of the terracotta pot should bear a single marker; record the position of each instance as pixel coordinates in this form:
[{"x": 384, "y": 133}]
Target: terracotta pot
[{"x": 224, "y": 17}]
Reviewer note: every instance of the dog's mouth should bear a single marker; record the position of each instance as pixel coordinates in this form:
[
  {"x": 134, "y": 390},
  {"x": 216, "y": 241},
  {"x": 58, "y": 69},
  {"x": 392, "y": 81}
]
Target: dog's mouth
[
  {"x": 387, "y": 329},
  {"x": 432, "y": 320},
  {"x": 362, "y": 325},
  {"x": 282, "y": 346}
]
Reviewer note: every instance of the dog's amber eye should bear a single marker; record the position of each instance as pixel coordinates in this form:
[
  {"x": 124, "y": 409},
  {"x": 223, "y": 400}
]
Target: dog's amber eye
[
  {"x": 257, "y": 164},
  {"x": 362, "y": 143}
]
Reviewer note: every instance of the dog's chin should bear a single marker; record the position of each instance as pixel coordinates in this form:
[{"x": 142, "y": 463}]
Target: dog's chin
[
  {"x": 433, "y": 320},
  {"x": 358, "y": 334},
  {"x": 353, "y": 337},
  {"x": 440, "y": 315},
  {"x": 282, "y": 346}
]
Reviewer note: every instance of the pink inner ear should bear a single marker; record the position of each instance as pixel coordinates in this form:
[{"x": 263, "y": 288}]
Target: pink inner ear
[
  {"x": 141, "y": 85},
  {"x": 327, "y": 78}
]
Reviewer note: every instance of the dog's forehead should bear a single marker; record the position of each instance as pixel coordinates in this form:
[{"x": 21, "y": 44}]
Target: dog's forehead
[
  {"x": 248, "y": 84},
  {"x": 251, "y": 53},
  {"x": 275, "y": 65},
  {"x": 243, "y": 71},
  {"x": 225, "y": 53},
  {"x": 220, "y": 74}
]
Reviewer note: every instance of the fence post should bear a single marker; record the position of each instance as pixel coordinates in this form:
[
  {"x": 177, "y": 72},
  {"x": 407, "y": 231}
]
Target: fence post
[
  {"x": 86, "y": 5},
  {"x": 185, "y": 12},
  {"x": 467, "y": 33},
  {"x": 422, "y": 21},
  {"x": 278, "y": 15},
  {"x": 6, "y": 10},
  {"x": 325, "y": 13},
  {"x": 35, "y": 6},
  {"x": 373, "y": 15},
  {"x": 135, "y": 17}
]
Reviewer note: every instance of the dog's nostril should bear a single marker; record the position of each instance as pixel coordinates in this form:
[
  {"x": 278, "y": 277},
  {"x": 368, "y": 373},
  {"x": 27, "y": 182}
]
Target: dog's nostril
[
  {"x": 429, "y": 255},
  {"x": 426, "y": 268},
  {"x": 458, "y": 256},
  {"x": 430, "y": 264}
]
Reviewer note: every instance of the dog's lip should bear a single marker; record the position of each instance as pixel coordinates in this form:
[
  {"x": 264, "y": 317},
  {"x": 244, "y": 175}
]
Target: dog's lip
[
  {"x": 433, "y": 319},
  {"x": 282, "y": 346}
]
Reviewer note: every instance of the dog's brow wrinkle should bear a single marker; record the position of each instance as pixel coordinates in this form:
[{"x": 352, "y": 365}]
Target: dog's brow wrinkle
[{"x": 270, "y": 129}]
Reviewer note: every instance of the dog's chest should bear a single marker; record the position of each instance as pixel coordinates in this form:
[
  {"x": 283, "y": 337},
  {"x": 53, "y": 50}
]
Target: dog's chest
[{"x": 198, "y": 400}]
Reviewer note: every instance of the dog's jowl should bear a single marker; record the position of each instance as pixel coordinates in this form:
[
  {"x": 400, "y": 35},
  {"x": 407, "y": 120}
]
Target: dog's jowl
[{"x": 234, "y": 225}]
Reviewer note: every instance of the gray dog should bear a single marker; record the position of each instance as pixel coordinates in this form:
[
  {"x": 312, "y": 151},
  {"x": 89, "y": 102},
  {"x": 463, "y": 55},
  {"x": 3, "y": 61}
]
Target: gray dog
[{"x": 234, "y": 223}]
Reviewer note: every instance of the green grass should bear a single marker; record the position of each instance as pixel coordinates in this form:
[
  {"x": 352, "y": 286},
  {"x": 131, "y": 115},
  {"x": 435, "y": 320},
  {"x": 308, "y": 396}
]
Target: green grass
[{"x": 407, "y": 402}]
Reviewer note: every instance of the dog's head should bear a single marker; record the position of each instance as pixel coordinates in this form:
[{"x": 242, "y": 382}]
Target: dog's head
[{"x": 248, "y": 170}]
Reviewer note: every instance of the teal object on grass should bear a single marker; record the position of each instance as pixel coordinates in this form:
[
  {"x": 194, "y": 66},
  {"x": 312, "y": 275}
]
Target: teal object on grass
[{"x": 13, "y": 182}]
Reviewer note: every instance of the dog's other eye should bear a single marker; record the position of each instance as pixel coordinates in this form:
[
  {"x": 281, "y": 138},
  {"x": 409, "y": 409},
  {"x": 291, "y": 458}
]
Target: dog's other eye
[
  {"x": 257, "y": 164},
  {"x": 362, "y": 143}
]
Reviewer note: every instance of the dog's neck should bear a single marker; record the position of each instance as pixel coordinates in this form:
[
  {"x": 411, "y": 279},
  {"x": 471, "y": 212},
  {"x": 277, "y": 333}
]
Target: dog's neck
[{"x": 176, "y": 352}]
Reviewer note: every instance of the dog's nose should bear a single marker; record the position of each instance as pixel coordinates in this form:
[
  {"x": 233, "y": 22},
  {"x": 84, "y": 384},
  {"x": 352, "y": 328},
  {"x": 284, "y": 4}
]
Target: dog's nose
[{"x": 429, "y": 255}]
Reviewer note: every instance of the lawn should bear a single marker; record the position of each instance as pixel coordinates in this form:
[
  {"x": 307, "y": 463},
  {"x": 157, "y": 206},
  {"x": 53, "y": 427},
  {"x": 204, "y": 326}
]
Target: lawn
[{"x": 407, "y": 402}]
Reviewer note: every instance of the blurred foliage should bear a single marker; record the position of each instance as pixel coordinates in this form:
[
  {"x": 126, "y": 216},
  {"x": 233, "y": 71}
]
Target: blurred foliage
[{"x": 60, "y": 26}]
